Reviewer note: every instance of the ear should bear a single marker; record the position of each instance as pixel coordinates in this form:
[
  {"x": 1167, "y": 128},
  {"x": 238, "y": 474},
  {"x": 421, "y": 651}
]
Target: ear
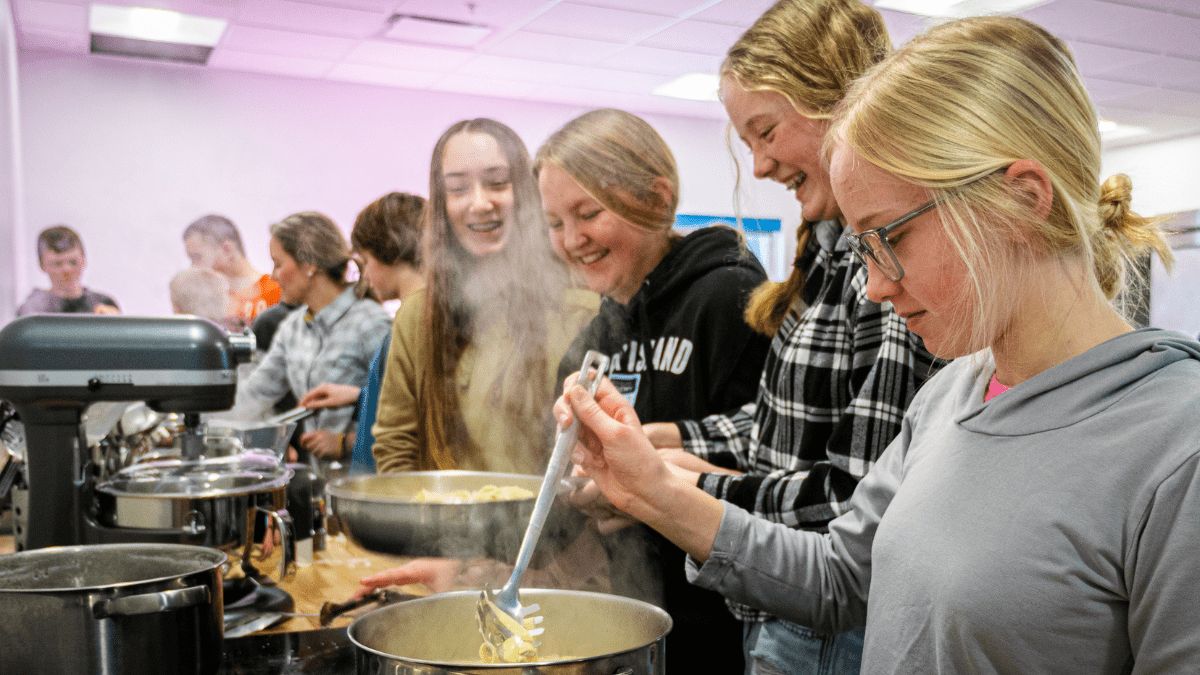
[
  {"x": 1032, "y": 183},
  {"x": 661, "y": 187}
]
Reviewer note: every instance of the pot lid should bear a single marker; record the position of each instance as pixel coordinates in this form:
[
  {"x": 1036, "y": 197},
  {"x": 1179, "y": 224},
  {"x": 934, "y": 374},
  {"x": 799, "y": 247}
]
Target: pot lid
[{"x": 242, "y": 474}]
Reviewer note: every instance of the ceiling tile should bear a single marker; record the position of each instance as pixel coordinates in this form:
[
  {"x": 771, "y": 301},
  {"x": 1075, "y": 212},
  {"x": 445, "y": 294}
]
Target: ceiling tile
[
  {"x": 391, "y": 77},
  {"x": 673, "y": 8},
  {"x": 267, "y": 63},
  {"x": 741, "y": 13},
  {"x": 53, "y": 16},
  {"x": 1166, "y": 101},
  {"x": 216, "y": 9},
  {"x": 71, "y": 42},
  {"x": 308, "y": 18},
  {"x": 620, "y": 81},
  {"x": 557, "y": 48},
  {"x": 1094, "y": 59},
  {"x": 662, "y": 61},
  {"x": 701, "y": 37},
  {"x": 1171, "y": 73},
  {"x": 408, "y": 57},
  {"x": 520, "y": 70},
  {"x": 1103, "y": 91},
  {"x": 597, "y": 23},
  {"x": 483, "y": 86},
  {"x": 505, "y": 14},
  {"x": 286, "y": 43}
]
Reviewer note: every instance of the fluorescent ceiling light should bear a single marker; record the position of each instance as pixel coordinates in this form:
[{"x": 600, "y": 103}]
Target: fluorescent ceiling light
[
  {"x": 957, "y": 8},
  {"x": 432, "y": 30},
  {"x": 1111, "y": 131},
  {"x": 155, "y": 25},
  {"x": 693, "y": 86}
]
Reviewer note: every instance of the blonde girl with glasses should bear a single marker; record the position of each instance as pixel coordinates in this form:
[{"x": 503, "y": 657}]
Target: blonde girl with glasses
[{"x": 1037, "y": 513}]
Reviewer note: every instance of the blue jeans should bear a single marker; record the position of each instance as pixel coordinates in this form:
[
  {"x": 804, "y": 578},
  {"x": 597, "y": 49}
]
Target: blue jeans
[{"x": 778, "y": 647}]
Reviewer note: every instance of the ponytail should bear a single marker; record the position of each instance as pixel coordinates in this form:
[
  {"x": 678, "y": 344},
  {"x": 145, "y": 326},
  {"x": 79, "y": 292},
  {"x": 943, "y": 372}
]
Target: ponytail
[
  {"x": 770, "y": 302},
  {"x": 1124, "y": 236}
]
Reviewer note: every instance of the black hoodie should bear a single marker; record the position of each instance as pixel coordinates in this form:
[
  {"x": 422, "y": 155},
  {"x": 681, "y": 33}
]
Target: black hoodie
[{"x": 681, "y": 351}]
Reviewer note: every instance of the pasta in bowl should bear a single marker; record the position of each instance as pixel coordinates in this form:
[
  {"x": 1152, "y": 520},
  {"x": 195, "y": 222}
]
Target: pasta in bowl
[{"x": 462, "y": 514}]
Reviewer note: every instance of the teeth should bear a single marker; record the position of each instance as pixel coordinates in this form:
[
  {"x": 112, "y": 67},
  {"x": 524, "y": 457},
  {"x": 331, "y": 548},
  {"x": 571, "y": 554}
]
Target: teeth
[
  {"x": 796, "y": 182},
  {"x": 593, "y": 257},
  {"x": 484, "y": 227}
]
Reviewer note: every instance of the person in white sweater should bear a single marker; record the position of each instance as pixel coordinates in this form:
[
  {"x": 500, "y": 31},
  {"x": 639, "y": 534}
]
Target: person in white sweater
[{"x": 1037, "y": 512}]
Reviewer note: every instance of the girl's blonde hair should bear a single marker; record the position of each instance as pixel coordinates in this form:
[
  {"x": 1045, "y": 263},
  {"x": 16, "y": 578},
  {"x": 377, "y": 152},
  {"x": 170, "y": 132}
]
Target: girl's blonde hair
[
  {"x": 956, "y": 106},
  {"x": 616, "y": 157},
  {"x": 809, "y": 51}
]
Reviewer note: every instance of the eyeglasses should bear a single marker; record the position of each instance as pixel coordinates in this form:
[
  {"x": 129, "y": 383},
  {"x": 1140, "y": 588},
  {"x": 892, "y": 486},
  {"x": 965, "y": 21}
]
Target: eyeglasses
[{"x": 874, "y": 244}]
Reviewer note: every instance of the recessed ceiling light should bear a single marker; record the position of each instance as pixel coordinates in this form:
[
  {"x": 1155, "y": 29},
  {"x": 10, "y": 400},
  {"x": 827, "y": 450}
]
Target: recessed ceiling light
[
  {"x": 157, "y": 25},
  {"x": 693, "y": 86},
  {"x": 436, "y": 31},
  {"x": 957, "y": 8}
]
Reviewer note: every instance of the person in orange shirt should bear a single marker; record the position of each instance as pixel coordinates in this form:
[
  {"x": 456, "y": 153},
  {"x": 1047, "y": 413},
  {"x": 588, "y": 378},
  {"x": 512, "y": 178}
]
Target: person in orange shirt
[{"x": 213, "y": 242}]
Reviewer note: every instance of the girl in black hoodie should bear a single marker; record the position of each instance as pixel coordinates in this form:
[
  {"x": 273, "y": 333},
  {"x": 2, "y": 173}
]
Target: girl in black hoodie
[{"x": 670, "y": 318}]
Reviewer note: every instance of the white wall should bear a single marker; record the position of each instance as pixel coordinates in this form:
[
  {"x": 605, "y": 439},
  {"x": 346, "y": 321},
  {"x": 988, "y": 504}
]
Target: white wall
[
  {"x": 129, "y": 152},
  {"x": 11, "y": 236},
  {"x": 1166, "y": 179}
]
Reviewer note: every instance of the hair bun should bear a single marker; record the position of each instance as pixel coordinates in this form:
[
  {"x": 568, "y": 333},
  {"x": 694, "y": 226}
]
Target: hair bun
[{"x": 1115, "y": 196}]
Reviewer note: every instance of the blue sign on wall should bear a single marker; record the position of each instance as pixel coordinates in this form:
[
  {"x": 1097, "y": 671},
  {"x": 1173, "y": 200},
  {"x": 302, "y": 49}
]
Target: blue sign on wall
[{"x": 748, "y": 224}]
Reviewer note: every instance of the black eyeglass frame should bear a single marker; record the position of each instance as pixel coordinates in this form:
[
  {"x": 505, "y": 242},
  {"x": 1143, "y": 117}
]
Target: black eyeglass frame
[{"x": 858, "y": 242}]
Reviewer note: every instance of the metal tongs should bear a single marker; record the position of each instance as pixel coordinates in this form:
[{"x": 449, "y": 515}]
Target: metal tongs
[{"x": 501, "y": 614}]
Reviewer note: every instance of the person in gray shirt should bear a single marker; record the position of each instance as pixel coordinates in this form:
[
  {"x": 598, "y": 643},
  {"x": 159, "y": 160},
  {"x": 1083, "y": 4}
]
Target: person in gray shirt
[
  {"x": 1037, "y": 513},
  {"x": 61, "y": 257}
]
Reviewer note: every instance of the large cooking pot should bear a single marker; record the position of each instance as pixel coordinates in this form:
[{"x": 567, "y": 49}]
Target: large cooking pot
[
  {"x": 205, "y": 500},
  {"x": 378, "y": 513},
  {"x": 585, "y": 634},
  {"x": 111, "y": 609}
]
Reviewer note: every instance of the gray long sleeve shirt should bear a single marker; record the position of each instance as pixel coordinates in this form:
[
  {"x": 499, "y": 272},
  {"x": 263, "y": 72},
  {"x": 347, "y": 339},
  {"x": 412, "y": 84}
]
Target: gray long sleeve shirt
[{"x": 1050, "y": 530}]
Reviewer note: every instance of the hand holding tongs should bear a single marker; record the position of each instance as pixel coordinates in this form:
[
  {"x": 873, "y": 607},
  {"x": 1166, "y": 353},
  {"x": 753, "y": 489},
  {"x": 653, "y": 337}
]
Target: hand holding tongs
[{"x": 497, "y": 629}]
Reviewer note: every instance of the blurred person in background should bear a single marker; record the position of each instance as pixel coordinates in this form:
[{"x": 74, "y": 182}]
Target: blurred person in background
[
  {"x": 213, "y": 242},
  {"x": 203, "y": 293},
  {"x": 330, "y": 338},
  {"x": 471, "y": 370},
  {"x": 61, "y": 257},
  {"x": 387, "y": 242}
]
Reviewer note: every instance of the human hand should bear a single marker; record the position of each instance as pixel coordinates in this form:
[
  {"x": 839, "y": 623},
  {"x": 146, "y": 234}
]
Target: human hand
[
  {"x": 586, "y": 496},
  {"x": 329, "y": 395},
  {"x": 323, "y": 444},
  {"x": 105, "y": 309},
  {"x": 437, "y": 574},
  {"x": 685, "y": 460},
  {"x": 663, "y": 434},
  {"x": 612, "y": 448}
]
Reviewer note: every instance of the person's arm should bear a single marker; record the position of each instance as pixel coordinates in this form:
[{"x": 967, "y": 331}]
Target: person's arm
[
  {"x": 398, "y": 416},
  {"x": 268, "y": 381},
  {"x": 722, "y": 439},
  {"x": 1164, "y": 579},
  {"x": 330, "y": 395},
  {"x": 346, "y": 355},
  {"x": 874, "y": 378}
]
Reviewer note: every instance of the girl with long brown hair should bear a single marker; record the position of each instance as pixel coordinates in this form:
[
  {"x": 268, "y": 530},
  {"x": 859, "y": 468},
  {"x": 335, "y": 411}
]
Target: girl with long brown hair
[{"x": 471, "y": 370}]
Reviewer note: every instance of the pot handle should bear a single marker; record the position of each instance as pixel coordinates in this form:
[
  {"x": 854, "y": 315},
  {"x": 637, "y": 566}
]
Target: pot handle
[{"x": 149, "y": 603}]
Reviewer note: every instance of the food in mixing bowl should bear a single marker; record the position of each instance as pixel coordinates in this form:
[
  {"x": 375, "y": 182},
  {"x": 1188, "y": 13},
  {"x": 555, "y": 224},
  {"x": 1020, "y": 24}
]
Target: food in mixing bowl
[{"x": 487, "y": 493}]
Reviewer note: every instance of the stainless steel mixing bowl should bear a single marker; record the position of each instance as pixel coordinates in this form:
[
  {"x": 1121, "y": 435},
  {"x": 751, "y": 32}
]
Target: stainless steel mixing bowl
[{"x": 378, "y": 512}]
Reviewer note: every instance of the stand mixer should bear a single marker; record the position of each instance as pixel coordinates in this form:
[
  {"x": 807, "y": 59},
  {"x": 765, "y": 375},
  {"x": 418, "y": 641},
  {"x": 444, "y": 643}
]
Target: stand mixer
[{"x": 53, "y": 367}]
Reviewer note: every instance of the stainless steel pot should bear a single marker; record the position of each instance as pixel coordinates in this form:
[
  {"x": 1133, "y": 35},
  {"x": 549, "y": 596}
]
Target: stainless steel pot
[
  {"x": 378, "y": 513},
  {"x": 585, "y": 634},
  {"x": 111, "y": 609},
  {"x": 208, "y": 499}
]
